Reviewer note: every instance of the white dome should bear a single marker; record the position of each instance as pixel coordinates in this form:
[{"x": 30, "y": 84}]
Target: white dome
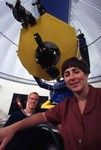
[{"x": 84, "y": 15}]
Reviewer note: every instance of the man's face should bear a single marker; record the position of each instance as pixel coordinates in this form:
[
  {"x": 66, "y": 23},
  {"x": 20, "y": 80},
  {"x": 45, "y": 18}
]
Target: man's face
[
  {"x": 75, "y": 79},
  {"x": 32, "y": 100}
]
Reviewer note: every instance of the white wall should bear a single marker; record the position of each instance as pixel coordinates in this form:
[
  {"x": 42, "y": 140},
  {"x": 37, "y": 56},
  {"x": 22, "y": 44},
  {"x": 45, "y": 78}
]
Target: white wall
[
  {"x": 97, "y": 84},
  {"x": 7, "y": 88}
]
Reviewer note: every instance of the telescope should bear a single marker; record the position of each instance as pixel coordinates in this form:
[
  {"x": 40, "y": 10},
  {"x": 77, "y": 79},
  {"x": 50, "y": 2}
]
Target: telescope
[{"x": 47, "y": 54}]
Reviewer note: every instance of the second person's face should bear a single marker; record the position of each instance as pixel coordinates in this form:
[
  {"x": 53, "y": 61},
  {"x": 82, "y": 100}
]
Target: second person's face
[
  {"x": 75, "y": 79},
  {"x": 33, "y": 100}
]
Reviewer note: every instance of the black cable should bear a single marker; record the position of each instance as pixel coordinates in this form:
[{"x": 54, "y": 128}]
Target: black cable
[
  {"x": 94, "y": 41},
  {"x": 58, "y": 145},
  {"x": 8, "y": 39}
]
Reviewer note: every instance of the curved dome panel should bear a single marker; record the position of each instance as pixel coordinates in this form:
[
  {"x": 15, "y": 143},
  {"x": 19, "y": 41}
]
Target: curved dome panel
[{"x": 84, "y": 15}]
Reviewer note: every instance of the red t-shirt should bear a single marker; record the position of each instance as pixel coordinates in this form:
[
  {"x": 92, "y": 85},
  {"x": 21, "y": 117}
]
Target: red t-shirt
[{"x": 79, "y": 132}]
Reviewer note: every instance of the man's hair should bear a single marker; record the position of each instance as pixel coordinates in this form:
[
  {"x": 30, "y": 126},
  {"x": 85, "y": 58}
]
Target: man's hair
[
  {"x": 33, "y": 93},
  {"x": 75, "y": 62}
]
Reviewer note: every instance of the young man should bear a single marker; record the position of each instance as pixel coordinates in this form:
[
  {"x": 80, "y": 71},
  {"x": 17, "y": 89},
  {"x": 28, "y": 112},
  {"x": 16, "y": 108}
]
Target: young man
[
  {"x": 31, "y": 104},
  {"x": 23, "y": 138},
  {"x": 78, "y": 116}
]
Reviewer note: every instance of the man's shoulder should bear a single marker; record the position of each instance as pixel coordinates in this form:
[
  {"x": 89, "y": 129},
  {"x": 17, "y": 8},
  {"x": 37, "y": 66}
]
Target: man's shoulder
[{"x": 18, "y": 114}]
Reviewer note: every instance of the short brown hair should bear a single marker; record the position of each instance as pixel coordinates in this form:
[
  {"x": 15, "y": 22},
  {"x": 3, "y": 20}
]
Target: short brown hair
[
  {"x": 33, "y": 93},
  {"x": 75, "y": 62}
]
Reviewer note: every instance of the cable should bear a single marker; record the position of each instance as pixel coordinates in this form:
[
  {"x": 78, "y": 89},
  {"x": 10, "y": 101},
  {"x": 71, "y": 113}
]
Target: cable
[
  {"x": 58, "y": 145},
  {"x": 94, "y": 41},
  {"x": 8, "y": 39}
]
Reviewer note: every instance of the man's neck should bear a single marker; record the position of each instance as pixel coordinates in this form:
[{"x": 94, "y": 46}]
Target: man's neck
[{"x": 28, "y": 111}]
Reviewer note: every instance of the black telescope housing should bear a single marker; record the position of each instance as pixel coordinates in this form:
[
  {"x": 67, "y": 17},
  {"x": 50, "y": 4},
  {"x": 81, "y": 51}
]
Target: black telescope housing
[{"x": 47, "y": 55}]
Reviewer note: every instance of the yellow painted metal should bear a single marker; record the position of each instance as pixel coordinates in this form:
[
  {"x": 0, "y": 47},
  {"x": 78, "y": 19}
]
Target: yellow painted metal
[
  {"x": 47, "y": 105},
  {"x": 50, "y": 29}
]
